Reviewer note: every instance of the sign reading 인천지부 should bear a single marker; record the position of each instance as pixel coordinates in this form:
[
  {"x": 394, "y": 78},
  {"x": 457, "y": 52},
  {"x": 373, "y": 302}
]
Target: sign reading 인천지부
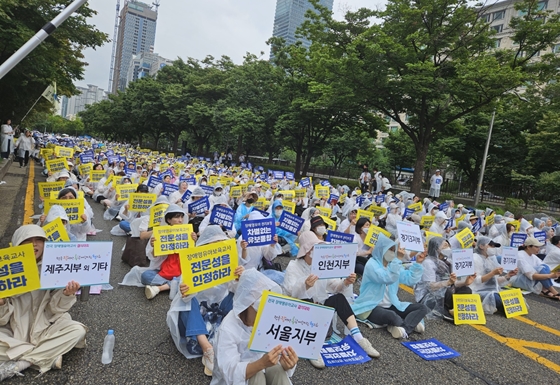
[
  {"x": 258, "y": 232},
  {"x": 156, "y": 214},
  {"x": 45, "y": 188},
  {"x": 55, "y": 165},
  {"x": 140, "y": 202},
  {"x": 124, "y": 191},
  {"x": 467, "y": 309},
  {"x": 290, "y": 222},
  {"x": 18, "y": 270},
  {"x": 509, "y": 258},
  {"x": 463, "y": 262},
  {"x": 74, "y": 208},
  {"x": 345, "y": 352},
  {"x": 410, "y": 236},
  {"x": 56, "y": 232},
  {"x": 338, "y": 237},
  {"x": 210, "y": 265},
  {"x": 275, "y": 325},
  {"x": 431, "y": 350},
  {"x": 172, "y": 239},
  {"x": 88, "y": 263},
  {"x": 514, "y": 303},
  {"x": 222, "y": 216},
  {"x": 373, "y": 235},
  {"x": 334, "y": 260}
]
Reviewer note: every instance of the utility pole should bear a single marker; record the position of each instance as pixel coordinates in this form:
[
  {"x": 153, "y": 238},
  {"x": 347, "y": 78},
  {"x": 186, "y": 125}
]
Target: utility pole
[
  {"x": 114, "y": 52},
  {"x": 482, "y": 169}
]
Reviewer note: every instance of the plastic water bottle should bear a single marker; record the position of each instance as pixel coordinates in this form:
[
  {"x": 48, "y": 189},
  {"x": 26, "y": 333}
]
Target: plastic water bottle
[{"x": 108, "y": 346}]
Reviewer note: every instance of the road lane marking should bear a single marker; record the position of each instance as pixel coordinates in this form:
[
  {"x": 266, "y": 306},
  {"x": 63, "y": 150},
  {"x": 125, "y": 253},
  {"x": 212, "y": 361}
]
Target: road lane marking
[{"x": 29, "y": 196}]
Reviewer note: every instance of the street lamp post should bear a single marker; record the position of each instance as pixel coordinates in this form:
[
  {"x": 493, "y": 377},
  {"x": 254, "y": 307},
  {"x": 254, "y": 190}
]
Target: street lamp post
[{"x": 481, "y": 177}]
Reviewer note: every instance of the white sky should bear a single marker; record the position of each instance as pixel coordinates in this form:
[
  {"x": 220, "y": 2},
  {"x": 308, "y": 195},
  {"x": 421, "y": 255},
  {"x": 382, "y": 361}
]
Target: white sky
[{"x": 189, "y": 28}]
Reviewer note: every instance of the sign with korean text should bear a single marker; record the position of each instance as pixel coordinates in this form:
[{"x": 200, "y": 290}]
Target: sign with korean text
[
  {"x": 410, "y": 236},
  {"x": 153, "y": 181},
  {"x": 290, "y": 222},
  {"x": 509, "y": 258},
  {"x": 517, "y": 225},
  {"x": 364, "y": 214},
  {"x": 222, "y": 216},
  {"x": 88, "y": 263},
  {"x": 46, "y": 188},
  {"x": 430, "y": 235},
  {"x": 345, "y": 352},
  {"x": 463, "y": 262},
  {"x": 172, "y": 239},
  {"x": 74, "y": 208},
  {"x": 169, "y": 188},
  {"x": 124, "y": 191},
  {"x": 490, "y": 219},
  {"x": 518, "y": 239},
  {"x": 288, "y": 194},
  {"x": 235, "y": 192},
  {"x": 407, "y": 213},
  {"x": 210, "y": 265},
  {"x": 377, "y": 211},
  {"x": 373, "y": 235},
  {"x": 258, "y": 232},
  {"x": 334, "y": 260},
  {"x": 18, "y": 271},
  {"x": 186, "y": 196},
  {"x": 417, "y": 207},
  {"x": 540, "y": 236},
  {"x": 427, "y": 221},
  {"x": 338, "y": 237},
  {"x": 140, "y": 202},
  {"x": 325, "y": 211},
  {"x": 465, "y": 237},
  {"x": 55, "y": 165},
  {"x": 514, "y": 303},
  {"x": 96, "y": 175},
  {"x": 63, "y": 152},
  {"x": 157, "y": 213},
  {"x": 286, "y": 321},
  {"x": 56, "y": 232},
  {"x": 85, "y": 168},
  {"x": 467, "y": 309},
  {"x": 200, "y": 206},
  {"x": 322, "y": 191},
  {"x": 300, "y": 193},
  {"x": 305, "y": 182},
  {"x": 331, "y": 225},
  {"x": 431, "y": 350},
  {"x": 289, "y": 206}
]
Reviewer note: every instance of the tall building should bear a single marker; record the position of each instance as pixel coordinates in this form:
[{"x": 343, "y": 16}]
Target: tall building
[
  {"x": 290, "y": 14},
  {"x": 137, "y": 33},
  {"x": 69, "y": 107},
  {"x": 145, "y": 64}
]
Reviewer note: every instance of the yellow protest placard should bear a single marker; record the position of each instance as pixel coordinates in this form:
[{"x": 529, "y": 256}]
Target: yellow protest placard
[
  {"x": 157, "y": 213},
  {"x": 331, "y": 225},
  {"x": 140, "y": 202},
  {"x": 55, "y": 165},
  {"x": 261, "y": 203},
  {"x": 46, "y": 153},
  {"x": 288, "y": 194},
  {"x": 322, "y": 191},
  {"x": 430, "y": 235},
  {"x": 467, "y": 309},
  {"x": 85, "y": 169},
  {"x": 63, "y": 152},
  {"x": 461, "y": 218},
  {"x": 300, "y": 193},
  {"x": 373, "y": 235},
  {"x": 325, "y": 211},
  {"x": 265, "y": 186},
  {"x": 517, "y": 225},
  {"x": 465, "y": 238},
  {"x": 343, "y": 198},
  {"x": 490, "y": 219},
  {"x": 74, "y": 208},
  {"x": 46, "y": 188},
  {"x": 225, "y": 180},
  {"x": 18, "y": 269},
  {"x": 364, "y": 214},
  {"x": 427, "y": 221},
  {"x": 212, "y": 180},
  {"x": 172, "y": 239},
  {"x": 377, "y": 210},
  {"x": 210, "y": 265},
  {"x": 514, "y": 303},
  {"x": 235, "y": 192},
  {"x": 124, "y": 191},
  {"x": 164, "y": 167},
  {"x": 289, "y": 206},
  {"x": 417, "y": 207},
  {"x": 56, "y": 232}
]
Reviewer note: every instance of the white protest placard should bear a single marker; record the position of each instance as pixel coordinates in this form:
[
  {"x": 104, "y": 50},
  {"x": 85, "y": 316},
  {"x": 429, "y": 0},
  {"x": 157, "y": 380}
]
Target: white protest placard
[
  {"x": 286, "y": 321},
  {"x": 88, "y": 263},
  {"x": 509, "y": 258},
  {"x": 463, "y": 262},
  {"x": 334, "y": 260},
  {"x": 410, "y": 237}
]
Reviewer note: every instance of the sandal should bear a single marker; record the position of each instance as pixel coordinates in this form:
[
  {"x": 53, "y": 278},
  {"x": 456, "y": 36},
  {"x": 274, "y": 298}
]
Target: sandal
[{"x": 548, "y": 294}]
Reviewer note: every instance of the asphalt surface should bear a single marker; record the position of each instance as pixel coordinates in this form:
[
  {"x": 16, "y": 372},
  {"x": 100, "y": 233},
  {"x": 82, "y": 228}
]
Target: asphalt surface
[{"x": 145, "y": 354}]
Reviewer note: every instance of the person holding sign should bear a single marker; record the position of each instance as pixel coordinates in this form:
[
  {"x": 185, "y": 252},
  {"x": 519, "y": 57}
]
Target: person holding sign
[
  {"x": 234, "y": 362},
  {"x": 489, "y": 275},
  {"x": 128, "y": 216},
  {"x": 378, "y": 301},
  {"x": 364, "y": 251},
  {"x": 103, "y": 190},
  {"x": 80, "y": 230},
  {"x": 176, "y": 197},
  {"x": 435, "y": 184},
  {"x": 533, "y": 274},
  {"x": 245, "y": 209},
  {"x": 552, "y": 259},
  {"x": 290, "y": 238},
  {"x": 35, "y": 327},
  {"x": 348, "y": 225},
  {"x": 439, "y": 225},
  {"x": 55, "y": 212},
  {"x": 300, "y": 283}
]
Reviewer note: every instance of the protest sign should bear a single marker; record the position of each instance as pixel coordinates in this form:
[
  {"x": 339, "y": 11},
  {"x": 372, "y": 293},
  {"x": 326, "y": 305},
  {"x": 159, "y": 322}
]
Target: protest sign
[
  {"x": 373, "y": 235},
  {"x": 322, "y": 191},
  {"x": 333, "y": 199},
  {"x": 331, "y": 225},
  {"x": 325, "y": 183},
  {"x": 208, "y": 190},
  {"x": 153, "y": 181},
  {"x": 169, "y": 188},
  {"x": 364, "y": 214},
  {"x": 56, "y": 232},
  {"x": 305, "y": 182},
  {"x": 463, "y": 262},
  {"x": 289, "y": 175},
  {"x": 476, "y": 226},
  {"x": 157, "y": 213},
  {"x": 380, "y": 199},
  {"x": 18, "y": 270},
  {"x": 517, "y": 225},
  {"x": 431, "y": 350},
  {"x": 288, "y": 194},
  {"x": 235, "y": 192},
  {"x": 514, "y": 303},
  {"x": 338, "y": 237},
  {"x": 407, "y": 213},
  {"x": 74, "y": 208},
  {"x": 111, "y": 180},
  {"x": 84, "y": 169},
  {"x": 186, "y": 196},
  {"x": 540, "y": 236},
  {"x": 63, "y": 152},
  {"x": 467, "y": 309},
  {"x": 430, "y": 235},
  {"x": 465, "y": 238},
  {"x": 86, "y": 158},
  {"x": 325, "y": 211},
  {"x": 222, "y": 216},
  {"x": 275, "y": 325},
  {"x": 200, "y": 206},
  {"x": 290, "y": 222},
  {"x": 300, "y": 193},
  {"x": 443, "y": 206},
  {"x": 210, "y": 265},
  {"x": 518, "y": 239},
  {"x": 377, "y": 211},
  {"x": 333, "y": 260},
  {"x": 96, "y": 175},
  {"x": 278, "y": 175},
  {"x": 258, "y": 232},
  {"x": 124, "y": 191},
  {"x": 509, "y": 258},
  {"x": 427, "y": 221},
  {"x": 410, "y": 237},
  {"x": 88, "y": 263},
  {"x": 417, "y": 207},
  {"x": 140, "y": 202},
  {"x": 45, "y": 188},
  {"x": 490, "y": 219},
  {"x": 172, "y": 239},
  {"x": 46, "y": 153},
  {"x": 343, "y": 198},
  {"x": 55, "y": 165},
  {"x": 345, "y": 352},
  {"x": 289, "y": 206}
]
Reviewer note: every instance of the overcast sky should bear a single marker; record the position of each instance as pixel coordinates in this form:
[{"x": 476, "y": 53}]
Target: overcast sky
[{"x": 197, "y": 28}]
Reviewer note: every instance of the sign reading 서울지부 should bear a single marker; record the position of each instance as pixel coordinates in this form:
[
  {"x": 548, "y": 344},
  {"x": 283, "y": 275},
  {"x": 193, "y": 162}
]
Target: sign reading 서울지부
[
  {"x": 18, "y": 270},
  {"x": 210, "y": 265},
  {"x": 468, "y": 309},
  {"x": 172, "y": 239},
  {"x": 290, "y": 322},
  {"x": 334, "y": 261}
]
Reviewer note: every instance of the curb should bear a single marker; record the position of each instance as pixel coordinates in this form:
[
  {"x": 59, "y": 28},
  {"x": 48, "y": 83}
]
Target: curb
[{"x": 5, "y": 167}]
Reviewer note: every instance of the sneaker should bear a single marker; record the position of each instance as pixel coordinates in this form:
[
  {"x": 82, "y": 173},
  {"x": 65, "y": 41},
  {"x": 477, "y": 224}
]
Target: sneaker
[
  {"x": 208, "y": 362},
  {"x": 397, "y": 332},
  {"x": 8, "y": 369},
  {"x": 420, "y": 328},
  {"x": 366, "y": 345},
  {"x": 448, "y": 316},
  {"x": 151, "y": 291},
  {"x": 58, "y": 363},
  {"x": 318, "y": 363}
]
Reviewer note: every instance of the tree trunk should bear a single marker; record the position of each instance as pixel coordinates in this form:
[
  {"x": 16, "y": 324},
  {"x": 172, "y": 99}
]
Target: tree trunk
[
  {"x": 239, "y": 146},
  {"x": 140, "y": 140},
  {"x": 200, "y": 148},
  {"x": 176, "y": 142},
  {"x": 421, "y": 154},
  {"x": 297, "y": 170},
  {"x": 306, "y": 163}
]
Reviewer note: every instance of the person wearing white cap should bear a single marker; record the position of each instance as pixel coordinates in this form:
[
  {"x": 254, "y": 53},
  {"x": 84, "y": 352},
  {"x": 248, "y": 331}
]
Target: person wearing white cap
[
  {"x": 440, "y": 222},
  {"x": 300, "y": 283},
  {"x": 36, "y": 327},
  {"x": 435, "y": 184},
  {"x": 533, "y": 274}
]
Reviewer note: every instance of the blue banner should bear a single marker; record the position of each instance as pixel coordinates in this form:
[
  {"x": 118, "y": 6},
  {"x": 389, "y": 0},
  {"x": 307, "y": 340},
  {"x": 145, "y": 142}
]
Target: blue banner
[
  {"x": 360, "y": 200},
  {"x": 153, "y": 181},
  {"x": 517, "y": 239},
  {"x": 278, "y": 174},
  {"x": 540, "y": 236},
  {"x": 112, "y": 159},
  {"x": 431, "y": 350},
  {"x": 380, "y": 199},
  {"x": 476, "y": 227},
  {"x": 109, "y": 153},
  {"x": 191, "y": 180},
  {"x": 222, "y": 216},
  {"x": 338, "y": 237},
  {"x": 208, "y": 190},
  {"x": 290, "y": 222},
  {"x": 263, "y": 213},
  {"x": 186, "y": 196},
  {"x": 86, "y": 158},
  {"x": 258, "y": 232},
  {"x": 345, "y": 352},
  {"x": 305, "y": 182},
  {"x": 325, "y": 183},
  {"x": 200, "y": 206},
  {"x": 89, "y": 152},
  {"x": 407, "y": 213},
  {"x": 169, "y": 188},
  {"x": 289, "y": 175},
  {"x": 443, "y": 206},
  {"x": 331, "y": 198}
]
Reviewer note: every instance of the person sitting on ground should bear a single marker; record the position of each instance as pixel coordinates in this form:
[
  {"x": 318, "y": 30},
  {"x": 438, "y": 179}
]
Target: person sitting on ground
[
  {"x": 364, "y": 251},
  {"x": 35, "y": 327},
  {"x": 552, "y": 258}
]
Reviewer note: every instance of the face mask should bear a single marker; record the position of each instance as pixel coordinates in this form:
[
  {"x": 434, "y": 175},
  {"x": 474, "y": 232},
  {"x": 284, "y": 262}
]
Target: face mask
[
  {"x": 278, "y": 213},
  {"x": 250, "y": 201},
  {"x": 365, "y": 230},
  {"x": 321, "y": 230},
  {"x": 218, "y": 193},
  {"x": 492, "y": 251},
  {"x": 447, "y": 253},
  {"x": 389, "y": 255},
  {"x": 203, "y": 183}
]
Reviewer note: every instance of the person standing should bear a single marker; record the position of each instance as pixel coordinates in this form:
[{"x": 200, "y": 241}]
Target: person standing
[
  {"x": 7, "y": 139},
  {"x": 365, "y": 179},
  {"x": 435, "y": 184},
  {"x": 25, "y": 145}
]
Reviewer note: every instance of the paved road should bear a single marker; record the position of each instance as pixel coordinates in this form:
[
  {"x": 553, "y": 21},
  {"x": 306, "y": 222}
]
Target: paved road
[{"x": 145, "y": 354}]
